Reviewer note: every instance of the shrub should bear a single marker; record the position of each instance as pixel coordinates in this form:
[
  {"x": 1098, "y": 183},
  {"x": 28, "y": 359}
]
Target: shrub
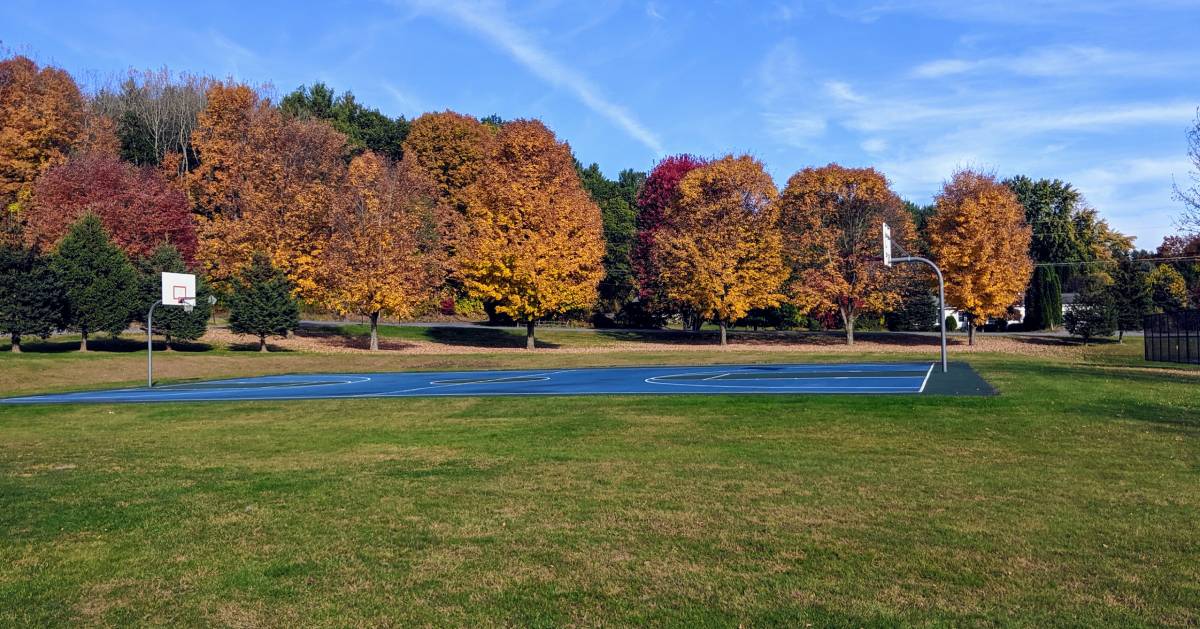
[
  {"x": 262, "y": 302},
  {"x": 1093, "y": 313},
  {"x": 951, "y": 323}
]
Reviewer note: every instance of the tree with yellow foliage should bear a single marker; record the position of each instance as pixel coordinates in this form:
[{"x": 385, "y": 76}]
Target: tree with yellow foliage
[
  {"x": 451, "y": 148},
  {"x": 265, "y": 183},
  {"x": 383, "y": 255},
  {"x": 41, "y": 114},
  {"x": 979, "y": 238},
  {"x": 534, "y": 239},
  {"x": 718, "y": 250},
  {"x": 830, "y": 218}
]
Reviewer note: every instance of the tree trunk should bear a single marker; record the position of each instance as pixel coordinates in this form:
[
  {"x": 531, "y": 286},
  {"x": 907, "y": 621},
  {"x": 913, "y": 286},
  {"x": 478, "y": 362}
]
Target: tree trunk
[
  {"x": 1120, "y": 335},
  {"x": 16, "y": 343},
  {"x": 724, "y": 340},
  {"x": 529, "y": 340},
  {"x": 83, "y": 341},
  {"x": 166, "y": 342},
  {"x": 262, "y": 343},
  {"x": 848, "y": 323},
  {"x": 375, "y": 331},
  {"x": 970, "y": 329}
]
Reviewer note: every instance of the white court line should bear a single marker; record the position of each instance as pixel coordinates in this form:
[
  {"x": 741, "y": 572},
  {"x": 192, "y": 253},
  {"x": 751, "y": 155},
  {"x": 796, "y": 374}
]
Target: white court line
[
  {"x": 140, "y": 394},
  {"x": 458, "y": 384},
  {"x": 716, "y": 377},
  {"x": 926, "y": 380}
]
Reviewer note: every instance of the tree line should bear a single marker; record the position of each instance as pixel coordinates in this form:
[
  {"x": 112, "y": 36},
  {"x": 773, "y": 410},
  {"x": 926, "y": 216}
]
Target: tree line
[{"x": 342, "y": 207}]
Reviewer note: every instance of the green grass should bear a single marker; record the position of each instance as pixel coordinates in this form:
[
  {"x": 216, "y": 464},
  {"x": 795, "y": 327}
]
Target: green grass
[{"x": 1069, "y": 499}]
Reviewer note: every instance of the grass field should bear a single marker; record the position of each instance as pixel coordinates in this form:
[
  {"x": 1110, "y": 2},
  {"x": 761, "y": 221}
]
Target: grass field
[{"x": 1072, "y": 498}]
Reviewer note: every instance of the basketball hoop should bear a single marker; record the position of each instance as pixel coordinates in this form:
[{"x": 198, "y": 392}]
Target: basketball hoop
[
  {"x": 178, "y": 289},
  {"x": 906, "y": 257},
  {"x": 887, "y": 245}
]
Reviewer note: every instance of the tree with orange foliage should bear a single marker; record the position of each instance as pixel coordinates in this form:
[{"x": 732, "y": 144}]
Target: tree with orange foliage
[
  {"x": 831, "y": 218},
  {"x": 265, "y": 183},
  {"x": 452, "y": 148},
  {"x": 979, "y": 238},
  {"x": 718, "y": 249},
  {"x": 41, "y": 113},
  {"x": 140, "y": 210},
  {"x": 98, "y": 134},
  {"x": 383, "y": 254},
  {"x": 534, "y": 238}
]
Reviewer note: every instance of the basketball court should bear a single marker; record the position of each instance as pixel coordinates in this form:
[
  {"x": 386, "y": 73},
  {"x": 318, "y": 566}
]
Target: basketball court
[{"x": 828, "y": 378}]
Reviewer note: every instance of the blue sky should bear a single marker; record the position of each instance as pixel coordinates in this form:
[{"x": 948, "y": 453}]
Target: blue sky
[{"x": 1097, "y": 93}]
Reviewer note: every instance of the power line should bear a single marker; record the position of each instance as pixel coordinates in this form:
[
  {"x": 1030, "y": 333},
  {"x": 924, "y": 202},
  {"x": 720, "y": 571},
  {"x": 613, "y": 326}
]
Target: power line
[{"x": 1113, "y": 261}]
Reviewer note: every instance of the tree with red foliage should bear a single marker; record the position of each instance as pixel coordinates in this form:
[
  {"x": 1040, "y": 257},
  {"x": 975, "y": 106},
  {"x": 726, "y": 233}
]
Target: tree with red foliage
[
  {"x": 41, "y": 112},
  {"x": 139, "y": 209},
  {"x": 659, "y": 191}
]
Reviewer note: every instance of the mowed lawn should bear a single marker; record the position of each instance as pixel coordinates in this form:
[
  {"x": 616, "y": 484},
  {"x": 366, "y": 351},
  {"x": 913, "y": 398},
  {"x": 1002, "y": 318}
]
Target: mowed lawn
[{"x": 1072, "y": 498}]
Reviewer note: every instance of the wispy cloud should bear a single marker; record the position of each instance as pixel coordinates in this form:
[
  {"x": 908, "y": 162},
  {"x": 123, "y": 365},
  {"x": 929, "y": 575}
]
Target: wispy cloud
[
  {"x": 489, "y": 20},
  {"x": 843, "y": 92},
  {"x": 1060, "y": 61},
  {"x": 407, "y": 102},
  {"x": 1004, "y": 11}
]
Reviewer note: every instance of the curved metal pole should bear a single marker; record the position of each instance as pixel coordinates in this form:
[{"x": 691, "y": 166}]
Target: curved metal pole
[
  {"x": 941, "y": 300},
  {"x": 150, "y": 346}
]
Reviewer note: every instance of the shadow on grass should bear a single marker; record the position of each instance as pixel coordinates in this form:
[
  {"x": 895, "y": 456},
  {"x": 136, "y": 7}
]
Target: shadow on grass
[
  {"x": 391, "y": 337},
  {"x": 483, "y": 337},
  {"x": 105, "y": 345},
  {"x": 1145, "y": 408},
  {"x": 253, "y": 347}
]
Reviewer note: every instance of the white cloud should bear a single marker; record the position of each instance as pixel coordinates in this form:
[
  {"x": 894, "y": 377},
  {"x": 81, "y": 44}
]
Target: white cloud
[
  {"x": 407, "y": 102},
  {"x": 1004, "y": 11},
  {"x": 874, "y": 145},
  {"x": 1061, "y": 61},
  {"x": 796, "y": 130},
  {"x": 488, "y": 20},
  {"x": 842, "y": 91},
  {"x": 942, "y": 67}
]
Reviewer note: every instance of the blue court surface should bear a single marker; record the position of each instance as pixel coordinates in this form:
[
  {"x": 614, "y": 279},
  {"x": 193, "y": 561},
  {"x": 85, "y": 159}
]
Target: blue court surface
[{"x": 844, "y": 378}]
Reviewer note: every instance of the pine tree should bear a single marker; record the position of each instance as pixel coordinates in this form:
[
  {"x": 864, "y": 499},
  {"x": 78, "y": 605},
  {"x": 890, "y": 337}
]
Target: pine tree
[
  {"x": 262, "y": 302},
  {"x": 1093, "y": 313},
  {"x": 100, "y": 285},
  {"x": 31, "y": 297},
  {"x": 1131, "y": 295},
  {"x": 174, "y": 323},
  {"x": 1043, "y": 300},
  {"x": 918, "y": 309}
]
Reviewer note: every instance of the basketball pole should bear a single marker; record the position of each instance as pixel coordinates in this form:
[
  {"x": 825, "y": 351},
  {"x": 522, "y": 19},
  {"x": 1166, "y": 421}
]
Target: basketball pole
[
  {"x": 941, "y": 300},
  {"x": 888, "y": 260},
  {"x": 150, "y": 346}
]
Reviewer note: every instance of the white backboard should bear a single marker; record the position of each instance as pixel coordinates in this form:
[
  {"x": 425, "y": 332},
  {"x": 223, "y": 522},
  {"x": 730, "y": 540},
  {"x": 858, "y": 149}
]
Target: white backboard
[
  {"x": 178, "y": 288},
  {"x": 887, "y": 245}
]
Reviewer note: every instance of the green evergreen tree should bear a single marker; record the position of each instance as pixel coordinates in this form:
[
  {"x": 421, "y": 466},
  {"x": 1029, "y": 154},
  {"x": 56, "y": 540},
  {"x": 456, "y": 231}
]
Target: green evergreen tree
[
  {"x": 617, "y": 201},
  {"x": 918, "y": 310},
  {"x": 174, "y": 323},
  {"x": 31, "y": 297},
  {"x": 1043, "y": 300},
  {"x": 1131, "y": 295},
  {"x": 101, "y": 286},
  {"x": 364, "y": 127},
  {"x": 1093, "y": 313},
  {"x": 261, "y": 303}
]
